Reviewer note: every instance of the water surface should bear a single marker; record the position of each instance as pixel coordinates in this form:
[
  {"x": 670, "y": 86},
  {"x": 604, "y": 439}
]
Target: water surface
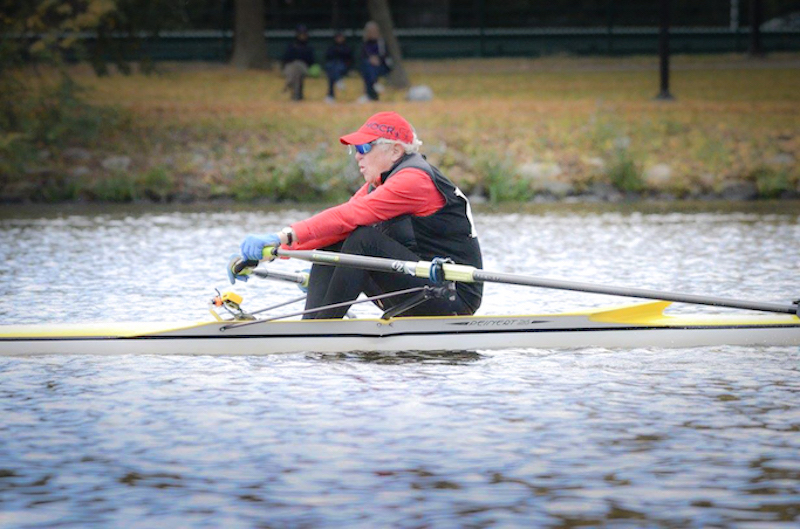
[{"x": 702, "y": 437}]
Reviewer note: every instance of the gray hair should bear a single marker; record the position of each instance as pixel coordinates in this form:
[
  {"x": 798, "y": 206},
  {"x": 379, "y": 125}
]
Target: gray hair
[
  {"x": 371, "y": 29},
  {"x": 409, "y": 148}
]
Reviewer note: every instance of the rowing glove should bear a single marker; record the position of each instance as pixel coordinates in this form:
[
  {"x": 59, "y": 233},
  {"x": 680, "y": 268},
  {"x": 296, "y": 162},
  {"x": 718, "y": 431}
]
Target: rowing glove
[{"x": 253, "y": 245}]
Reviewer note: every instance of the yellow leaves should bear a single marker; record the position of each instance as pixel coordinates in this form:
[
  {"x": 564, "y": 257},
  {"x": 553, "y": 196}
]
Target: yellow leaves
[
  {"x": 57, "y": 23},
  {"x": 34, "y": 23},
  {"x": 40, "y": 46},
  {"x": 67, "y": 42},
  {"x": 8, "y": 139},
  {"x": 64, "y": 9},
  {"x": 94, "y": 13},
  {"x": 63, "y": 16}
]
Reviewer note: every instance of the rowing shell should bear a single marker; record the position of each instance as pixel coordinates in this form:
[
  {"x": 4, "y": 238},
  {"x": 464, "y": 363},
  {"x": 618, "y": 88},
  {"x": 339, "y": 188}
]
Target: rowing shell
[{"x": 641, "y": 325}]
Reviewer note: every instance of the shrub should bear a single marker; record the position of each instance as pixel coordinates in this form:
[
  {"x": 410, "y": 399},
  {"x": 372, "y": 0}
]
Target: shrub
[
  {"x": 53, "y": 114},
  {"x": 58, "y": 188},
  {"x": 117, "y": 187},
  {"x": 156, "y": 184},
  {"x": 624, "y": 173},
  {"x": 318, "y": 176},
  {"x": 45, "y": 117},
  {"x": 251, "y": 183},
  {"x": 501, "y": 179},
  {"x": 771, "y": 183}
]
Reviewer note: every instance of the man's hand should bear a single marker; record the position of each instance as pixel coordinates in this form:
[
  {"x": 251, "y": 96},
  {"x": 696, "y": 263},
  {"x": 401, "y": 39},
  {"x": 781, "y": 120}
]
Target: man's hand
[
  {"x": 238, "y": 269},
  {"x": 253, "y": 245}
]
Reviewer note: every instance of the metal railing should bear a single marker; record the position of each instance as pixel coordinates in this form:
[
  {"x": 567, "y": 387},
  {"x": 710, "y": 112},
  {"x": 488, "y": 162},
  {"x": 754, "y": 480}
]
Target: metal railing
[{"x": 468, "y": 42}]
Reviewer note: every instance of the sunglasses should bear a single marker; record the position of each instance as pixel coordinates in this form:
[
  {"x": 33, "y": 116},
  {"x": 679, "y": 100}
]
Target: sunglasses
[{"x": 364, "y": 148}]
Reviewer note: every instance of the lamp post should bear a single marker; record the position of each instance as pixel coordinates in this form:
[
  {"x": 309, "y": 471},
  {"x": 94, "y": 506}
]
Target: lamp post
[
  {"x": 755, "y": 28},
  {"x": 663, "y": 52}
]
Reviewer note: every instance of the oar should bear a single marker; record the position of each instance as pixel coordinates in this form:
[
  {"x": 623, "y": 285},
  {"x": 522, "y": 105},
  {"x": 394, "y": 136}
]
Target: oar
[
  {"x": 470, "y": 274},
  {"x": 301, "y": 278},
  {"x": 239, "y": 267}
]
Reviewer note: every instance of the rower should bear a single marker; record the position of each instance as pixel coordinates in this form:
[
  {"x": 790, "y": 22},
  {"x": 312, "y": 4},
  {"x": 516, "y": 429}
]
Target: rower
[{"x": 406, "y": 210}]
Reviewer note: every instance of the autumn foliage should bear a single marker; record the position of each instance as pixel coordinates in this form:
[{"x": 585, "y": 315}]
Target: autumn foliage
[{"x": 505, "y": 129}]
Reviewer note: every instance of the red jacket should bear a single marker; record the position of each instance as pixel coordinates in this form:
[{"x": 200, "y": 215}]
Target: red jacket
[{"x": 409, "y": 192}]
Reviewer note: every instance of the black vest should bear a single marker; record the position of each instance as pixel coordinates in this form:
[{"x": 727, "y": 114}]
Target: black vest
[{"x": 449, "y": 232}]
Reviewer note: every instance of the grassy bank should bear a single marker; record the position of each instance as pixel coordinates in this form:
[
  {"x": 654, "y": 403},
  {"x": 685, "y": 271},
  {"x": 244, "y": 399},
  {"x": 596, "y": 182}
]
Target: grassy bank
[{"x": 502, "y": 129}]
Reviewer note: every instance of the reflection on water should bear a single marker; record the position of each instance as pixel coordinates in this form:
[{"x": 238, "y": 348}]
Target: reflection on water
[
  {"x": 401, "y": 357},
  {"x": 518, "y": 438}
]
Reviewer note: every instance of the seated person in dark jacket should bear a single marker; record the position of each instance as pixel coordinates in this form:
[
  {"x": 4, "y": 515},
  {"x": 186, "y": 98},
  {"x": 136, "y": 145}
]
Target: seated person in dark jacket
[
  {"x": 299, "y": 56},
  {"x": 374, "y": 60},
  {"x": 338, "y": 61}
]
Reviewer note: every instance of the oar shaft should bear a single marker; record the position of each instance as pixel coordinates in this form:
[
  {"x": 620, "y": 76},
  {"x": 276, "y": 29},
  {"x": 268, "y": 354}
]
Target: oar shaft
[
  {"x": 264, "y": 273},
  {"x": 377, "y": 264},
  {"x": 494, "y": 277},
  {"x": 469, "y": 274}
]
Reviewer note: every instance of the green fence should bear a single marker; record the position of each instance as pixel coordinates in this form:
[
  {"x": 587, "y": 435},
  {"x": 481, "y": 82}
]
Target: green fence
[{"x": 455, "y": 43}]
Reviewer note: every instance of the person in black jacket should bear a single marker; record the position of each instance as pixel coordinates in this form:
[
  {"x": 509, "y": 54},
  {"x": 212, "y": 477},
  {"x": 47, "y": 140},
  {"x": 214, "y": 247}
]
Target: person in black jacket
[
  {"x": 297, "y": 58},
  {"x": 375, "y": 62},
  {"x": 338, "y": 61}
]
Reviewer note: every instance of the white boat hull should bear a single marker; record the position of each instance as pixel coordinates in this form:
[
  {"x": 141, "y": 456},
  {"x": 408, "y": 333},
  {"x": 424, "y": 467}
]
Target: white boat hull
[{"x": 642, "y": 325}]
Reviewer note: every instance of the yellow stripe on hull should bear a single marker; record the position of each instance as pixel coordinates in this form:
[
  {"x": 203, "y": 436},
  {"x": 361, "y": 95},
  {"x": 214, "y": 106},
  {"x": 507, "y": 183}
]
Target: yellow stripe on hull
[{"x": 92, "y": 330}]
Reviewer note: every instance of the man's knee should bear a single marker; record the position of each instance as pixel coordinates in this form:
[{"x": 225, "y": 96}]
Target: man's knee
[
  {"x": 295, "y": 71},
  {"x": 361, "y": 240}
]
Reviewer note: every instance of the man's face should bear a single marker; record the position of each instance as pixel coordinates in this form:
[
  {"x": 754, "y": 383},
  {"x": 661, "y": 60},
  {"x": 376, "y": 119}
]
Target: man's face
[{"x": 377, "y": 161}]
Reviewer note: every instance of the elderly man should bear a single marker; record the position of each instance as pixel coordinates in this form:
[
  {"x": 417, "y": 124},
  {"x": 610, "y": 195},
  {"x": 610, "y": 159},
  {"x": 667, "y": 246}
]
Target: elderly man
[
  {"x": 296, "y": 61},
  {"x": 406, "y": 209}
]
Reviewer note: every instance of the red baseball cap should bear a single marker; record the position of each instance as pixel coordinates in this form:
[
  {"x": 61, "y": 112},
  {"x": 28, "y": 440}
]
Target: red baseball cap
[{"x": 389, "y": 125}]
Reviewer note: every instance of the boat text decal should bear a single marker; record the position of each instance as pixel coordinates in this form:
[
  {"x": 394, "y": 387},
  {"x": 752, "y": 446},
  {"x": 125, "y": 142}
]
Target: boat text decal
[{"x": 512, "y": 322}]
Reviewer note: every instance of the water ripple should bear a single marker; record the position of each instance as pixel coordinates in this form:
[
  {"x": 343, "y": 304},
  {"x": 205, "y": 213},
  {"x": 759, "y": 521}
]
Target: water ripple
[{"x": 517, "y": 438}]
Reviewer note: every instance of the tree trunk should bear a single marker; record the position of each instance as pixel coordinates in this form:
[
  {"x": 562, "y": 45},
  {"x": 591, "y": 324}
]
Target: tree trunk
[
  {"x": 336, "y": 15},
  {"x": 249, "y": 44},
  {"x": 379, "y": 12}
]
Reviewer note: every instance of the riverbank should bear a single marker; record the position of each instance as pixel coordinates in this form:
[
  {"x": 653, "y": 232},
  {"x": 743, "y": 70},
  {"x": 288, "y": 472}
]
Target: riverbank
[
  {"x": 766, "y": 208},
  {"x": 543, "y": 130}
]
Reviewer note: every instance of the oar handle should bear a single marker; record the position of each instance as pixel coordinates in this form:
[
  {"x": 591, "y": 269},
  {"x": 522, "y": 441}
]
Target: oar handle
[{"x": 240, "y": 266}]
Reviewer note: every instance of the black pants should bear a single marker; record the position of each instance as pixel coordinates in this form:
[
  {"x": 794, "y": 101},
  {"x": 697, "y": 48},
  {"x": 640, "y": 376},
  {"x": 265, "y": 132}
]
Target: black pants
[{"x": 334, "y": 284}]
